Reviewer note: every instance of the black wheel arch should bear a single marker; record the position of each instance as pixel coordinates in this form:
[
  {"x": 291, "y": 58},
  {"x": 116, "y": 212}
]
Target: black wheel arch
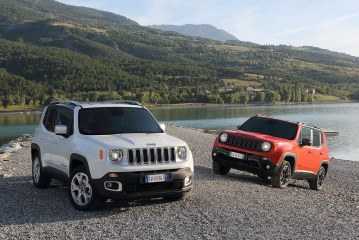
[
  {"x": 292, "y": 159},
  {"x": 325, "y": 164},
  {"x": 77, "y": 160},
  {"x": 35, "y": 151}
]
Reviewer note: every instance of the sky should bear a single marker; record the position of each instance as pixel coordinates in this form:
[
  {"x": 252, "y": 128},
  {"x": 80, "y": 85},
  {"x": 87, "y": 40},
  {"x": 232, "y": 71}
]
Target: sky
[{"x": 329, "y": 24}]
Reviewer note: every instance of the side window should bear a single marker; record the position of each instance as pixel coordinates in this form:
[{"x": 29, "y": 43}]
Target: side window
[
  {"x": 317, "y": 138},
  {"x": 65, "y": 117},
  {"x": 49, "y": 119},
  {"x": 306, "y": 134}
]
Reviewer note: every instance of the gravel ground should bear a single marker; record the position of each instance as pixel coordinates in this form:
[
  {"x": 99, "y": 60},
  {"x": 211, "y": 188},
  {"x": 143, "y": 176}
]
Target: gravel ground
[{"x": 237, "y": 206}]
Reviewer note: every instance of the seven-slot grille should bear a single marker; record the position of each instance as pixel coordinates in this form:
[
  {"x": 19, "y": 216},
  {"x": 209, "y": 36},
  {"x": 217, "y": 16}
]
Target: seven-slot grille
[
  {"x": 144, "y": 156},
  {"x": 245, "y": 143}
]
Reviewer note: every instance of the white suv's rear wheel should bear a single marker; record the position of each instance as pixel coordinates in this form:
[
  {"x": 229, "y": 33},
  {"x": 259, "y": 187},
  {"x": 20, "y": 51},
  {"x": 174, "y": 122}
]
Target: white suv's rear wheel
[
  {"x": 39, "y": 177},
  {"x": 81, "y": 190}
]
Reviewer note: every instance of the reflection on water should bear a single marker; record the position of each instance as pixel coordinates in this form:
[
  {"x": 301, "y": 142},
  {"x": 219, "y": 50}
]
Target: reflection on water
[{"x": 339, "y": 117}]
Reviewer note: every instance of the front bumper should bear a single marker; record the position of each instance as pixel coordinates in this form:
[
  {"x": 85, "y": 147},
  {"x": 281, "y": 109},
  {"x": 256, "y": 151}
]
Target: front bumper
[
  {"x": 251, "y": 163},
  {"x": 134, "y": 186}
]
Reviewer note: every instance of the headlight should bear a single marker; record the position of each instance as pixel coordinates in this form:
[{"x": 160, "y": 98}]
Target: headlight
[
  {"x": 266, "y": 146},
  {"x": 116, "y": 155},
  {"x": 182, "y": 153},
  {"x": 223, "y": 137}
]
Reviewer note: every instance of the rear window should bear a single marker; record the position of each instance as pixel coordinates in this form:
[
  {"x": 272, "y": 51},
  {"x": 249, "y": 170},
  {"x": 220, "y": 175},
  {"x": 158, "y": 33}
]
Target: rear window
[
  {"x": 317, "y": 138},
  {"x": 272, "y": 127},
  {"x": 49, "y": 119}
]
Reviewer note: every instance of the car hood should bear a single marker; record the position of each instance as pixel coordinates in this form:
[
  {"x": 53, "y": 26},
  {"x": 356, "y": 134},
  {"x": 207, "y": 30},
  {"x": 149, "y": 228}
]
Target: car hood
[{"x": 138, "y": 140}]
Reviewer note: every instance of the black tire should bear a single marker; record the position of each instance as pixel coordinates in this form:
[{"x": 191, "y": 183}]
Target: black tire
[
  {"x": 39, "y": 177},
  {"x": 282, "y": 177},
  {"x": 219, "y": 169},
  {"x": 82, "y": 191},
  {"x": 317, "y": 182}
]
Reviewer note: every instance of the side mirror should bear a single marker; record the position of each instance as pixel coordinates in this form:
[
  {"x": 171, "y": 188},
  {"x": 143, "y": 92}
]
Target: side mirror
[
  {"x": 306, "y": 142},
  {"x": 163, "y": 127},
  {"x": 61, "y": 130}
]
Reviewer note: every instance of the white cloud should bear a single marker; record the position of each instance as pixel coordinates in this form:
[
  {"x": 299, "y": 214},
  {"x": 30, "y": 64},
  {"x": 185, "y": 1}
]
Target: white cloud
[
  {"x": 338, "y": 34},
  {"x": 321, "y": 25},
  {"x": 325, "y": 24}
]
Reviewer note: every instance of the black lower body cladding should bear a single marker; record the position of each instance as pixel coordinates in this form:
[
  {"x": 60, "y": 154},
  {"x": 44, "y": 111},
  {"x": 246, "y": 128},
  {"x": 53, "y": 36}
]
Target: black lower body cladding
[
  {"x": 251, "y": 163},
  {"x": 134, "y": 186}
]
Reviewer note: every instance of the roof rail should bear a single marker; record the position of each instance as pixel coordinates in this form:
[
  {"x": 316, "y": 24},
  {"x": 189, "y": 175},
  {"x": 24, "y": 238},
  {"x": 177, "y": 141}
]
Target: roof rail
[
  {"x": 129, "y": 102},
  {"x": 71, "y": 103}
]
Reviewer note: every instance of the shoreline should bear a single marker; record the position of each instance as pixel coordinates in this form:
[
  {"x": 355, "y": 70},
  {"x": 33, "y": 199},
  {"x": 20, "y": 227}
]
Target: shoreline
[{"x": 199, "y": 105}]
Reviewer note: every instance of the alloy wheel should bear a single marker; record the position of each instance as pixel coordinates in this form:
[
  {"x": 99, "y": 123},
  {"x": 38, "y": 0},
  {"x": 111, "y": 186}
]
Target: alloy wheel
[
  {"x": 81, "y": 189},
  {"x": 36, "y": 170},
  {"x": 285, "y": 175},
  {"x": 321, "y": 177}
]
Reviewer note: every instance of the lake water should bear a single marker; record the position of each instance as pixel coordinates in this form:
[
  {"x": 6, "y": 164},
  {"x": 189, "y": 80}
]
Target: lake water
[{"x": 339, "y": 117}]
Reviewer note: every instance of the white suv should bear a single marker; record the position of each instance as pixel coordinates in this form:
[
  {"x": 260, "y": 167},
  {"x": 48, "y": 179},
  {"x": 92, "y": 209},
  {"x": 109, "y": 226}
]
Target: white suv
[{"x": 109, "y": 150}]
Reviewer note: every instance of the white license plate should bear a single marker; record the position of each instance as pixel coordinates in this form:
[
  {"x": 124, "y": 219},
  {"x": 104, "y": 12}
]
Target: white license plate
[
  {"x": 237, "y": 155},
  {"x": 155, "y": 178}
]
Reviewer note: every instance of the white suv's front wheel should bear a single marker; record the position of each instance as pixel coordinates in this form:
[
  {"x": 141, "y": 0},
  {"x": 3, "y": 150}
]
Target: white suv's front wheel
[{"x": 81, "y": 190}]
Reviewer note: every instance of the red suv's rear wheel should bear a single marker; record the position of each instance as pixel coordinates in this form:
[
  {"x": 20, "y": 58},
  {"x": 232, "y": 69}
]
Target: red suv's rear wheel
[{"x": 317, "y": 182}]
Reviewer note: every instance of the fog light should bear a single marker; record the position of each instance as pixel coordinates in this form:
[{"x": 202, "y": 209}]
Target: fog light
[
  {"x": 114, "y": 186},
  {"x": 267, "y": 166},
  {"x": 269, "y": 178},
  {"x": 214, "y": 154},
  {"x": 187, "y": 181}
]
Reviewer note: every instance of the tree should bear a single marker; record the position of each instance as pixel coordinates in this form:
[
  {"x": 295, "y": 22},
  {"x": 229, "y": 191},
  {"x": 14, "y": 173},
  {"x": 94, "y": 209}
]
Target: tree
[
  {"x": 244, "y": 98},
  {"x": 272, "y": 97},
  {"x": 259, "y": 97}
]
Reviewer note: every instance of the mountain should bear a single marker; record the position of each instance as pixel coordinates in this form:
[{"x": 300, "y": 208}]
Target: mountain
[
  {"x": 52, "y": 50},
  {"x": 201, "y": 30},
  {"x": 17, "y": 11}
]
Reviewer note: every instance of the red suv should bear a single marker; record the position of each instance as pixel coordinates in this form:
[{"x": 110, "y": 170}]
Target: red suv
[{"x": 275, "y": 150}]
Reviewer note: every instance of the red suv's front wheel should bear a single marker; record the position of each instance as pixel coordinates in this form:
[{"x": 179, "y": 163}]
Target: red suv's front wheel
[{"x": 282, "y": 177}]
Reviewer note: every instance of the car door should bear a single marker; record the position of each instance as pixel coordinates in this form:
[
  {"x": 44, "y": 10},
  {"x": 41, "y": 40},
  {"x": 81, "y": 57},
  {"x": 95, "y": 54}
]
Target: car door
[
  {"x": 63, "y": 144},
  {"x": 307, "y": 154}
]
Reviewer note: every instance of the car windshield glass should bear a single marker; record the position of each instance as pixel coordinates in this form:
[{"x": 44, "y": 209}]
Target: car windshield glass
[
  {"x": 272, "y": 127},
  {"x": 107, "y": 121}
]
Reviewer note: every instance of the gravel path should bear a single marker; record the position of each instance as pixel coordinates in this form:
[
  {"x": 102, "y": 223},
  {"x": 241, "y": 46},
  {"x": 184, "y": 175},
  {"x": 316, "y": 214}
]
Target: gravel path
[{"x": 237, "y": 206}]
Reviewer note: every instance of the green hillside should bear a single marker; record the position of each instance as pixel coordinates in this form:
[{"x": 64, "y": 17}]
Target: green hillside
[{"x": 63, "y": 51}]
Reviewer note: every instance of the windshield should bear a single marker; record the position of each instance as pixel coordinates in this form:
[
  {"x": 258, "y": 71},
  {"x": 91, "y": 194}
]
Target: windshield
[
  {"x": 108, "y": 121},
  {"x": 272, "y": 127}
]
